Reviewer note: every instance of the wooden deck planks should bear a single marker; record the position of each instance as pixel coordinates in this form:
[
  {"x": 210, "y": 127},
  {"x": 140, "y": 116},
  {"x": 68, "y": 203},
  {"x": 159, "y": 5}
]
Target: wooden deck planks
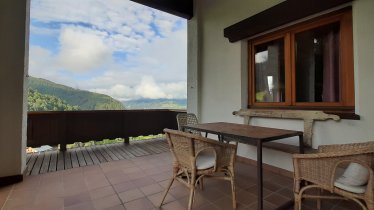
[
  {"x": 140, "y": 151},
  {"x": 110, "y": 153},
  {"x": 126, "y": 153},
  {"x": 103, "y": 152},
  {"x": 46, "y": 161},
  {"x": 115, "y": 151},
  {"x": 80, "y": 157},
  {"x": 98, "y": 154},
  {"x": 95, "y": 159},
  {"x": 150, "y": 148},
  {"x": 74, "y": 158},
  {"x": 160, "y": 145},
  {"x": 28, "y": 157},
  {"x": 51, "y": 161},
  {"x": 86, "y": 156},
  {"x": 68, "y": 160},
  {"x": 134, "y": 150},
  {"x": 60, "y": 161},
  {"x": 38, "y": 164},
  {"x": 30, "y": 163}
]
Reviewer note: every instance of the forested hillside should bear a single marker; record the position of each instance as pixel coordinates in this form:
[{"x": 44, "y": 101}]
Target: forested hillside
[
  {"x": 85, "y": 100},
  {"x": 40, "y": 102}
]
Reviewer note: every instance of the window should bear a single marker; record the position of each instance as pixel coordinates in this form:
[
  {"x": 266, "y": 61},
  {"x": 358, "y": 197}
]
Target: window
[{"x": 307, "y": 66}]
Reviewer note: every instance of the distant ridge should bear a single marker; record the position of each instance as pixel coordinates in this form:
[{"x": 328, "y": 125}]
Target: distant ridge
[
  {"x": 85, "y": 100},
  {"x": 156, "y": 104}
]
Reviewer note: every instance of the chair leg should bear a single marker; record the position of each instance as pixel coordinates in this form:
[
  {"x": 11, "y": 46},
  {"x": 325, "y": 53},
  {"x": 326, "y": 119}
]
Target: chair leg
[
  {"x": 166, "y": 191},
  {"x": 297, "y": 200},
  {"x": 201, "y": 183},
  {"x": 370, "y": 205},
  {"x": 319, "y": 204},
  {"x": 192, "y": 193},
  {"x": 233, "y": 191}
]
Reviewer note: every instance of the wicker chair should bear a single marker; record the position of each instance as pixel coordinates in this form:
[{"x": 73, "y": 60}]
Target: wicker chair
[
  {"x": 319, "y": 171},
  {"x": 187, "y": 119},
  {"x": 191, "y": 119},
  {"x": 195, "y": 157}
]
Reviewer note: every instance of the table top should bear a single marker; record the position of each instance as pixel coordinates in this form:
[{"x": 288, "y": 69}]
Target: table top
[{"x": 244, "y": 132}]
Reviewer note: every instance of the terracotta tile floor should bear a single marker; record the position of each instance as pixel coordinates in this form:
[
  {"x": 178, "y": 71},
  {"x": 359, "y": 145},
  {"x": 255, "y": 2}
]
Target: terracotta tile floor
[{"x": 138, "y": 184}]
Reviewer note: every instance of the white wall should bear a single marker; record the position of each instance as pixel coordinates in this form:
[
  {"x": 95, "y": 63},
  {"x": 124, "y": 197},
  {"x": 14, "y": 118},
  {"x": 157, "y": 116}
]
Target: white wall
[
  {"x": 12, "y": 86},
  {"x": 222, "y": 69}
]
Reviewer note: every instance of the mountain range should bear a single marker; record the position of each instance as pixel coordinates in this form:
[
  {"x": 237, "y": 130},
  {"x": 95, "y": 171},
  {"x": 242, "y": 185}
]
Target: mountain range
[
  {"x": 83, "y": 99},
  {"x": 45, "y": 95},
  {"x": 156, "y": 104}
]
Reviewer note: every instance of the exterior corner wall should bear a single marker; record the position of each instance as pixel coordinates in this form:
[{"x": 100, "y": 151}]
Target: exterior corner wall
[
  {"x": 193, "y": 62},
  {"x": 13, "y": 88},
  {"x": 223, "y": 68}
]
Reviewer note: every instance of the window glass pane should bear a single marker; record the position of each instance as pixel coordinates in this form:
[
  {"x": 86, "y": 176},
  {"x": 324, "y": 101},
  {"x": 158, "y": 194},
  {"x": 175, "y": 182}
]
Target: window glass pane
[
  {"x": 269, "y": 71},
  {"x": 317, "y": 64}
]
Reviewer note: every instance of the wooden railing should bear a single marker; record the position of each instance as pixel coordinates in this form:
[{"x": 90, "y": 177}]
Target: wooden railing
[{"x": 66, "y": 127}]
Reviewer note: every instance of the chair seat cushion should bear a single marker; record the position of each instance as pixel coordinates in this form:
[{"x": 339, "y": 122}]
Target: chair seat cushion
[
  {"x": 349, "y": 188},
  {"x": 354, "y": 178},
  {"x": 354, "y": 175},
  {"x": 205, "y": 160}
]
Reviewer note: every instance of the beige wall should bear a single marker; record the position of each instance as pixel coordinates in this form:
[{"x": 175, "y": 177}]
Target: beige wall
[
  {"x": 12, "y": 76},
  {"x": 222, "y": 69}
]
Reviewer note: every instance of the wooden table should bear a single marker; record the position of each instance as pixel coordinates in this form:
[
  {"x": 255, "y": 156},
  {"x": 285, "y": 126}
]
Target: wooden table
[{"x": 252, "y": 135}]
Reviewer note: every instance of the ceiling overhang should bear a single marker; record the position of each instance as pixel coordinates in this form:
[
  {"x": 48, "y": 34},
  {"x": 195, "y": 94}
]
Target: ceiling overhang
[
  {"x": 278, "y": 15},
  {"x": 181, "y": 8}
]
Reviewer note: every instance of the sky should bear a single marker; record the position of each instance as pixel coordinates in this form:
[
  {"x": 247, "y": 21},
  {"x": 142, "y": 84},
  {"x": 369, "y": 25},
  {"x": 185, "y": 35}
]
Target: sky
[{"x": 115, "y": 47}]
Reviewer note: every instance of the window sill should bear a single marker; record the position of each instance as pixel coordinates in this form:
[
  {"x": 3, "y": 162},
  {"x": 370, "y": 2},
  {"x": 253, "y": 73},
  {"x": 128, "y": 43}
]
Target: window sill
[{"x": 346, "y": 113}]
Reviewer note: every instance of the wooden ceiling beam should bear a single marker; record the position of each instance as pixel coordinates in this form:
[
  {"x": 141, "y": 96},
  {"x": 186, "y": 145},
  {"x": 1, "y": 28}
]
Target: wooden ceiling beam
[
  {"x": 181, "y": 8},
  {"x": 278, "y": 15}
]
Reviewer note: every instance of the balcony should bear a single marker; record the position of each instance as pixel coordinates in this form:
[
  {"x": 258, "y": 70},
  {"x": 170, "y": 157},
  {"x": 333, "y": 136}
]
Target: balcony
[
  {"x": 128, "y": 176},
  {"x": 62, "y": 128}
]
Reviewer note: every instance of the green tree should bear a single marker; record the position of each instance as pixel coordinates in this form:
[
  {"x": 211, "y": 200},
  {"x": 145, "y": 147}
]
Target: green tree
[
  {"x": 85, "y": 100},
  {"x": 42, "y": 102}
]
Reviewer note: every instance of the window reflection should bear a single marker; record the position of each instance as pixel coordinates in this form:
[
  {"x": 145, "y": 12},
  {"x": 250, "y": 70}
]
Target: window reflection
[
  {"x": 317, "y": 64},
  {"x": 269, "y": 71}
]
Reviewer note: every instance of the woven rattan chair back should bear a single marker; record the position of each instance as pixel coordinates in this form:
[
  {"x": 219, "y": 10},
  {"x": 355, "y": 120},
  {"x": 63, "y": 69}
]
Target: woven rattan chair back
[
  {"x": 187, "y": 119},
  {"x": 319, "y": 171},
  {"x": 186, "y": 147}
]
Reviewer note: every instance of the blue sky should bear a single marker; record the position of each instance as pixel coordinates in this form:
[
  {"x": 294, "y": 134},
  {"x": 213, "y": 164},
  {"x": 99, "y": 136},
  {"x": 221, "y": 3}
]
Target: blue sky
[{"x": 115, "y": 47}]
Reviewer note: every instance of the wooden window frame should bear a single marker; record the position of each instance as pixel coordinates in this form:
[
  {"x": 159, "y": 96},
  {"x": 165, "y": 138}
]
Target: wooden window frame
[{"x": 347, "y": 97}]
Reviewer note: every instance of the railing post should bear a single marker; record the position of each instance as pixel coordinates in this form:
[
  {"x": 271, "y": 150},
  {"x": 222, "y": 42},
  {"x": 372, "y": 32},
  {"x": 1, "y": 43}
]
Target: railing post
[
  {"x": 62, "y": 147},
  {"x": 127, "y": 141}
]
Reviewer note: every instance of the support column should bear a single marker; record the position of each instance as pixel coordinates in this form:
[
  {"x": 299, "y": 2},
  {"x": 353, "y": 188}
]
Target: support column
[
  {"x": 14, "y": 24},
  {"x": 193, "y": 64},
  {"x": 127, "y": 141}
]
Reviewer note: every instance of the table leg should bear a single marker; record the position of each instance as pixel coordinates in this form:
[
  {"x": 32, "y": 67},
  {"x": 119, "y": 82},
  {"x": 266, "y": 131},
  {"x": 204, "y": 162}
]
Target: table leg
[
  {"x": 259, "y": 176},
  {"x": 301, "y": 144},
  {"x": 220, "y": 138}
]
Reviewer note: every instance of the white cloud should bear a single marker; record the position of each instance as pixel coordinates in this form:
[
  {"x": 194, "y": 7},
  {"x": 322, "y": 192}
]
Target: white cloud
[
  {"x": 164, "y": 58},
  {"x": 115, "y": 16},
  {"x": 40, "y": 60},
  {"x": 91, "y": 31},
  {"x": 147, "y": 88},
  {"x": 44, "y": 64},
  {"x": 164, "y": 26},
  {"x": 82, "y": 50}
]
